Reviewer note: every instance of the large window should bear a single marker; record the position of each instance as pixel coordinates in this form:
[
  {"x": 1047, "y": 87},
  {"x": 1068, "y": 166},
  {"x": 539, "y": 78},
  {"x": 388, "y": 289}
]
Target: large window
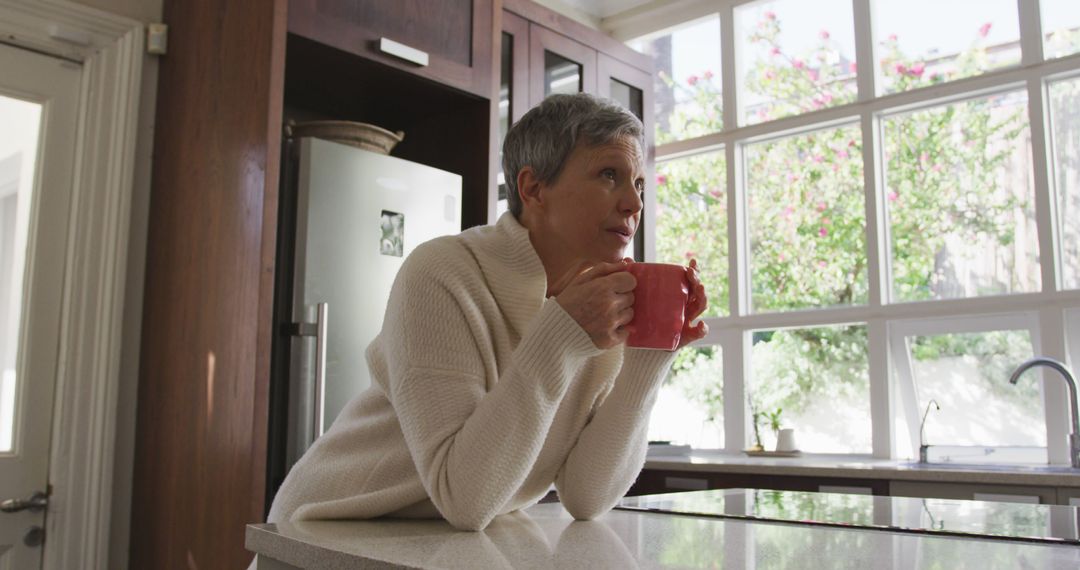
[{"x": 884, "y": 203}]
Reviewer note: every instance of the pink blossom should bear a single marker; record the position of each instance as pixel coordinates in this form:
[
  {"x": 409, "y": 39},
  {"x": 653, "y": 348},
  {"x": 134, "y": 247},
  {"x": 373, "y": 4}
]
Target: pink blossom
[
  {"x": 892, "y": 37},
  {"x": 818, "y": 103},
  {"x": 824, "y": 34},
  {"x": 661, "y": 179},
  {"x": 689, "y": 255},
  {"x": 821, "y": 263},
  {"x": 822, "y": 232},
  {"x": 901, "y": 68},
  {"x": 917, "y": 69},
  {"x": 826, "y": 222},
  {"x": 842, "y": 154},
  {"x": 715, "y": 193},
  {"x": 813, "y": 73},
  {"x": 770, "y": 15},
  {"x": 984, "y": 30},
  {"x": 774, "y": 51},
  {"x": 792, "y": 177},
  {"x": 821, "y": 206},
  {"x": 936, "y": 168},
  {"x": 692, "y": 80},
  {"x": 893, "y": 196},
  {"x": 934, "y": 76},
  {"x": 798, "y": 64},
  {"x": 853, "y": 67},
  {"x": 708, "y": 74},
  {"x": 924, "y": 157},
  {"x": 827, "y": 98},
  {"x": 769, "y": 74},
  {"x": 781, "y": 257},
  {"x": 851, "y": 143},
  {"x": 819, "y": 159}
]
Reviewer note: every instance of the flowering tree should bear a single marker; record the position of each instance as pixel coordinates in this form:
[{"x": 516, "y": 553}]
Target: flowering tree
[{"x": 806, "y": 213}]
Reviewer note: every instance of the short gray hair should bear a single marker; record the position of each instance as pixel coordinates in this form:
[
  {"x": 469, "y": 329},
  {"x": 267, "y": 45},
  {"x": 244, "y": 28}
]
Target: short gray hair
[{"x": 547, "y": 134}]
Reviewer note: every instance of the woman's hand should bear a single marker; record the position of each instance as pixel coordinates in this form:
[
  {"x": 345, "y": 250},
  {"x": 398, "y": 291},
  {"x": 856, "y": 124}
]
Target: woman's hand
[
  {"x": 601, "y": 300},
  {"x": 695, "y": 306}
]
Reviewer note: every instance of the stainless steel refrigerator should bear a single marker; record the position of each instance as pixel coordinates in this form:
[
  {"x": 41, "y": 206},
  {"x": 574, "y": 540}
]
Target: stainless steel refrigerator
[{"x": 349, "y": 218}]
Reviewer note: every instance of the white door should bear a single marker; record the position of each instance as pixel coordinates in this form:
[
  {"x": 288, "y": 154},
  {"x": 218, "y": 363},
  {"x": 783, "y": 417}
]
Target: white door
[{"x": 38, "y": 127}]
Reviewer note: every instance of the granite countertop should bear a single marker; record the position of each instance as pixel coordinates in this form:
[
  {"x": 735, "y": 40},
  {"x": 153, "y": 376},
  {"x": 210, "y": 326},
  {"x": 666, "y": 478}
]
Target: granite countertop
[
  {"x": 865, "y": 467},
  {"x": 545, "y": 536}
]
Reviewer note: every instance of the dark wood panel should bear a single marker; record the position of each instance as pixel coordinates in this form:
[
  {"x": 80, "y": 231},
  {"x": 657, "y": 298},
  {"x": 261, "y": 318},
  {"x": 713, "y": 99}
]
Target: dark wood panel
[
  {"x": 454, "y": 33},
  {"x": 653, "y": 481},
  {"x": 592, "y": 37},
  {"x": 202, "y": 404},
  {"x": 444, "y": 127}
]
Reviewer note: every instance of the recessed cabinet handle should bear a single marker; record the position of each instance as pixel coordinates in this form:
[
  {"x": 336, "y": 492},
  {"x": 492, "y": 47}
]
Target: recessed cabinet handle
[{"x": 403, "y": 51}]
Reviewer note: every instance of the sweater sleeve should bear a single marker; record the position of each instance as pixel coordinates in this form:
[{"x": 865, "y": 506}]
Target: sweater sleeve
[
  {"x": 608, "y": 456},
  {"x": 473, "y": 448}
]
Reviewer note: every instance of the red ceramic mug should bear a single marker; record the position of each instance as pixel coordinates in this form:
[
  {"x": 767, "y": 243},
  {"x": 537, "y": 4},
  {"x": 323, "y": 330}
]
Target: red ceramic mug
[{"x": 660, "y": 299}]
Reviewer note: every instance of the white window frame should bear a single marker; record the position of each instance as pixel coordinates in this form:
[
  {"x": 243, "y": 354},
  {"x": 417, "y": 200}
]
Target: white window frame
[{"x": 1051, "y": 313}]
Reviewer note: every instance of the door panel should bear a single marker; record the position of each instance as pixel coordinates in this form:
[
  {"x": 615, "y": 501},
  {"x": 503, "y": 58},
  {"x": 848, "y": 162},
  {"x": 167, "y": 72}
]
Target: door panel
[{"x": 38, "y": 106}]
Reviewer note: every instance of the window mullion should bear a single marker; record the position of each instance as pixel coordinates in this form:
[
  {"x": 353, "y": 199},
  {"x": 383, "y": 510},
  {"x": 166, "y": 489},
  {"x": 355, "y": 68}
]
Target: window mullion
[
  {"x": 882, "y": 419},
  {"x": 1049, "y": 340},
  {"x": 1031, "y": 35},
  {"x": 1045, "y": 205},
  {"x": 866, "y": 76}
]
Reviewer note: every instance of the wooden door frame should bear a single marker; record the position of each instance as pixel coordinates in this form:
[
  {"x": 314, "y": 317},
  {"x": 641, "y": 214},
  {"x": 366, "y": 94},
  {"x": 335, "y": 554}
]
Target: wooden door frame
[{"x": 82, "y": 449}]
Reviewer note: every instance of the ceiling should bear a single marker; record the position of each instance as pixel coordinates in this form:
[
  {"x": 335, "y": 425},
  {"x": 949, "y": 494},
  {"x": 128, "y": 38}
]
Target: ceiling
[{"x": 603, "y": 8}]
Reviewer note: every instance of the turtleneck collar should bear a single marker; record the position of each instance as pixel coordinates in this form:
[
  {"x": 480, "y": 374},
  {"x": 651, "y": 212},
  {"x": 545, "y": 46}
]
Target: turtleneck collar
[{"x": 511, "y": 267}]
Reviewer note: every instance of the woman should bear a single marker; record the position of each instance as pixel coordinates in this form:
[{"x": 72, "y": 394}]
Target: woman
[{"x": 500, "y": 367}]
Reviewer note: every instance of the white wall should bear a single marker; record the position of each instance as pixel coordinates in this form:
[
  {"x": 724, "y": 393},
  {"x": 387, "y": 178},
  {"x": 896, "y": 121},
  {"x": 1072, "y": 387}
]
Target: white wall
[{"x": 144, "y": 11}]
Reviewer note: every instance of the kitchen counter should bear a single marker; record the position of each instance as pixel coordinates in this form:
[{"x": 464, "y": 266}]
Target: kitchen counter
[
  {"x": 864, "y": 467},
  {"x": 545, "y": 536}
]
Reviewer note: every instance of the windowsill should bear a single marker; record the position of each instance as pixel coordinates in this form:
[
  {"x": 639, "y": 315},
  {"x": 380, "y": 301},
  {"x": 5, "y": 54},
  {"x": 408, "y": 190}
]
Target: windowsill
[{"x": 861, "y": 467}]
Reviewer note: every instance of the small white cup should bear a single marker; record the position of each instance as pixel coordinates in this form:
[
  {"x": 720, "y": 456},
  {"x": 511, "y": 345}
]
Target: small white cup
[{"x": 785, "y": 440}]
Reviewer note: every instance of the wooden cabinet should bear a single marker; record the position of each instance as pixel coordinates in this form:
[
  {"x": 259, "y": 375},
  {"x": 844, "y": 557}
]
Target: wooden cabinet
[
  {"x": 976, "y": 492},
  {"x": 544, "y": 53},
  {"x": 453, "y": 36}
]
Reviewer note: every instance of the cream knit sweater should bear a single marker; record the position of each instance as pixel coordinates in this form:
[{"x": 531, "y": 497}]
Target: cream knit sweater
[{"x": 484, "y": 393}]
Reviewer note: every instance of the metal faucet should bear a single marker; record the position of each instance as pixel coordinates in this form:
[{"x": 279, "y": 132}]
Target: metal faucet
[
  {"x": 1070, "y": 383},
  {"x": 922, "y": 431}
]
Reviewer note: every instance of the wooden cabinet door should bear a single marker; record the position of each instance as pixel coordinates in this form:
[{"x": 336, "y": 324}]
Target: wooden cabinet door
[
  {"x": 632, "y": 88},
  {"x": 455, "y": 36},
  {"x": 558, "y": 64},
  {"x": 513, "y": 97}
]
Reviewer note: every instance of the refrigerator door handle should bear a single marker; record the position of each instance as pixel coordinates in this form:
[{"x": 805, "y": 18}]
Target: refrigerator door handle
[{"x": 320, "y": 369}]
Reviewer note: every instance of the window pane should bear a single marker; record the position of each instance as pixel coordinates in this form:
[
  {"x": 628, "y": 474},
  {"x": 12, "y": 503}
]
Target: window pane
[
  {"x": 561, "y": 75},
  {"x": 690, "y": 407},
  {"x": 691, "y": 221},
  {"x": 815, "y": 380},
  {"x": 959, "y": 200},
  {"x": 18, "y": 155},
  {"x": 794, "y": 56},
  {"x": 921, "y": 42},
  {"x": 807, "y": 221},
  {"x": 628, "y": 96},
  {"x": 1061, "y": 24},
  {"x": 1065, "y": 129},
  {"x": 968, "y": 376},
  {"x": 687, "y": 81}
]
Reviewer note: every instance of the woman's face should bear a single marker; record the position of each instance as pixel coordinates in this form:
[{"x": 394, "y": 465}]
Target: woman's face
[{"x": 592, "y": 209}]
